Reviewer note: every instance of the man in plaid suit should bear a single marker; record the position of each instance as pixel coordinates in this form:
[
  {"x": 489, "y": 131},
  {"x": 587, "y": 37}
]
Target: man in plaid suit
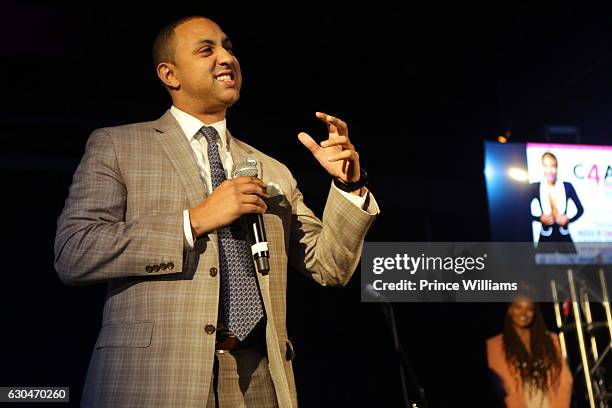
[{"x": 144, "y": 216}]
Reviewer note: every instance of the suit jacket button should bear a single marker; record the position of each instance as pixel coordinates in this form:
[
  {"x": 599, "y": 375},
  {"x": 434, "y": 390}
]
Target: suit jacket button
[
  {"x": 213, "y": 271},
  {"x": 149, "y": 269},
  {"x": 209, "y": 329},
  {"x": 170, "y": 265},
  {"x": 156, "y": 268},
  {"x": 163, "y": 266}
]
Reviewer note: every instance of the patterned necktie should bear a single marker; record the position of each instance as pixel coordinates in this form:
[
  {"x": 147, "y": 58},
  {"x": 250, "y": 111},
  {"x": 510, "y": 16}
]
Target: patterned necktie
[{"x": 241, "y": 307}]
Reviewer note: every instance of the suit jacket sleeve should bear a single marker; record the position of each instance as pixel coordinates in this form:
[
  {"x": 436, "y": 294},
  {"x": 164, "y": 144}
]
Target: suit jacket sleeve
[
  {"x": 534, "y": 189},
  {"x": 94, "y": 242},
  {"x": 328, "y": 251},
  {"x": 570, "y": 193}
]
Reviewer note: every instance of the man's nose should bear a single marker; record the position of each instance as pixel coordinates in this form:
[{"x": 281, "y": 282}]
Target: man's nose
[{"x": 225, "y": 57}]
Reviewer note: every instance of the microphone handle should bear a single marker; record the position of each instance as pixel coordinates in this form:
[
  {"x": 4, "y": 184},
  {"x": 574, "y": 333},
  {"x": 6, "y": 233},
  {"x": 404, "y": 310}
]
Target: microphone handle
[{"x": 259, "y": 243}]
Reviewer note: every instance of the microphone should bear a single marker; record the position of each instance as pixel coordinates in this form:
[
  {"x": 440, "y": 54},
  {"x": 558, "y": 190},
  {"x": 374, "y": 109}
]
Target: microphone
[{"x": 256, "y": 231}]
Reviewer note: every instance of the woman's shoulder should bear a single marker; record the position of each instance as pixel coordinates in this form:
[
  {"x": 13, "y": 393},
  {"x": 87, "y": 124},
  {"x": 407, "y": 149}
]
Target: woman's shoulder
[
  {"x": 495, "y": 341},
  {"x": 496, "y": 357}
]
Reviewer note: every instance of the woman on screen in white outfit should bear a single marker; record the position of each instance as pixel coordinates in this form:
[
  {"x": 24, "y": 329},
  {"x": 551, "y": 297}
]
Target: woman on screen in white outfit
[{"x": 549, "y": 205}]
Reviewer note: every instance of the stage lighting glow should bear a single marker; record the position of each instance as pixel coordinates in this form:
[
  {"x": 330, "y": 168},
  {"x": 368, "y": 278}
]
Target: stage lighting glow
[
  {"x": 502, "y": 139},
  {"x": 518, "y": 174}
]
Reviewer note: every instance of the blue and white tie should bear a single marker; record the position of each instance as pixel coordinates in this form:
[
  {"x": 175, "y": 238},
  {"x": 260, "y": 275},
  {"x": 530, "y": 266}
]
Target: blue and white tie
[{"x": 241, "y": 307}]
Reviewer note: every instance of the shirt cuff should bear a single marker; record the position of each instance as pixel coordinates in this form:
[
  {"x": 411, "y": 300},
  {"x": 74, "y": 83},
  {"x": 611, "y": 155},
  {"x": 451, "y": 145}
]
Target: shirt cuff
[
  {"x": 187, "y": 229},
  {"x": 359, "y": 201}
]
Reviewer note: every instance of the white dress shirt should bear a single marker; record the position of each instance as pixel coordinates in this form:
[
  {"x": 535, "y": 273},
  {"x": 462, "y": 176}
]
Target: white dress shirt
[{"x": 191, "y": 126}]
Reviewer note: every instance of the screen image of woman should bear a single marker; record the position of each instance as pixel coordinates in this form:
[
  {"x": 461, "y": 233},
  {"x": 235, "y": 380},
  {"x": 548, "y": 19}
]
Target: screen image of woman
[
  {"x": 526, "y": 360},
  {"x": 550, "y": 201}
]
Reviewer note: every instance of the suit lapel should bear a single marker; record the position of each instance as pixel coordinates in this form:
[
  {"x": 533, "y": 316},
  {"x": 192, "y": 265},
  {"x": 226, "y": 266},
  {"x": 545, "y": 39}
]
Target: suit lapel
[
  {"x": 240, "y": 152},
  {"x": 180, "y": 153}
]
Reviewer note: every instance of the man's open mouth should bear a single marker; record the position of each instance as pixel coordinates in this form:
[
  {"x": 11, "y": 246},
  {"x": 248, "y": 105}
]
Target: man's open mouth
[{"x": 225, "y": 76}]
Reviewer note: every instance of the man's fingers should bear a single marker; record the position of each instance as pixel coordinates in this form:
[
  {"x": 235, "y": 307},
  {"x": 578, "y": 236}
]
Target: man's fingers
[
  {"x": 251, "y": 208},
  {"x": 245, "y": 185},
  {"x": 339, "y": 124},
  {"x": 252, "y": 188},
  {"x": 337, "y": 140},
  {"x": 251, "y": 199},
  {"x": 343, "y": 155},
  {"x": 332, "y": 130},
  {"x": 246, "y": 180},
  {"x": 308, "y": 142}
]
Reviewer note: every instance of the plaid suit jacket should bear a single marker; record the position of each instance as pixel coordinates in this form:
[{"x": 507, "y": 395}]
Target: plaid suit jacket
[{"x": 122, "y": 224}]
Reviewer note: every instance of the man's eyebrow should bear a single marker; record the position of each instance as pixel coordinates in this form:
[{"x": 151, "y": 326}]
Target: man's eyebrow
[
  {"x": 207, "y": 42},
  {"x": 224, "y": 40}
]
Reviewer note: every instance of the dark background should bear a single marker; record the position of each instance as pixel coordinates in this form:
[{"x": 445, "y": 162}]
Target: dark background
[{"x": 421, "y": 88}]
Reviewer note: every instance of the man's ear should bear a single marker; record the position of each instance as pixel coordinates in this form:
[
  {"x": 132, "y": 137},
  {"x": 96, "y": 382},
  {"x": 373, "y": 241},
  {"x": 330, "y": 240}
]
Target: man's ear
[{"x": 166, "y": 72}]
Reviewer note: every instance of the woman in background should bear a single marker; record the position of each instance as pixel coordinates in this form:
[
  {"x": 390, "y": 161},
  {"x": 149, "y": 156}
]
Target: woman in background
[
  {"x": 549, "y": 206},
  {"x": 527, "y": 360}
]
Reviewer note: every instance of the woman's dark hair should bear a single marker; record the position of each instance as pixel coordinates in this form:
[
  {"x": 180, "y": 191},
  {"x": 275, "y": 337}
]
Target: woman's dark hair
[
  {"x": 539, "y": 366},
  {"x": 552, "y": 156}
]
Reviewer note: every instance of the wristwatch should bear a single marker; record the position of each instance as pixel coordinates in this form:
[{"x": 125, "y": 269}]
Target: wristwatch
[{"x": 352, "y": 185}]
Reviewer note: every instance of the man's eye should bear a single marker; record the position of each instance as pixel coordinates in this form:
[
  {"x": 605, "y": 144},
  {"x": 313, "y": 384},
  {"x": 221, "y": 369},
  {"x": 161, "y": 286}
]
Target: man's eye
[
  {"x": 206, "y": 50},
  {"x": 229, "y": 49}
]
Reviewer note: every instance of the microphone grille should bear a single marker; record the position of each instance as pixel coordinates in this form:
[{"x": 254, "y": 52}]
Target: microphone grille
[{"x": 246, "y": 168}]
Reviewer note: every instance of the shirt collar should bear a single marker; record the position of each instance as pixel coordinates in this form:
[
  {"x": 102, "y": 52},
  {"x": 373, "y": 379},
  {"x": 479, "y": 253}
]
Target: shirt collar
[{"x": 192, "y": 125}]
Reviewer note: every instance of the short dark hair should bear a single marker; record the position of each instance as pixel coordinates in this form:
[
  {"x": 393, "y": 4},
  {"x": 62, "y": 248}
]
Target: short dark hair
[{"x": 164, "y": 45}]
